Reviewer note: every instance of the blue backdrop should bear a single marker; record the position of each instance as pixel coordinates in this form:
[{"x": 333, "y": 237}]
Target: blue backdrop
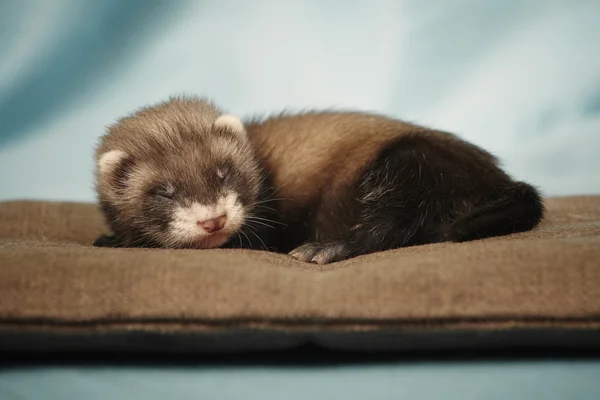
[{"x": 521, "y": 78}]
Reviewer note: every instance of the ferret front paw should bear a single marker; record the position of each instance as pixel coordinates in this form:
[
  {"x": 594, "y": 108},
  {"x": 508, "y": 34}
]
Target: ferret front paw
[
  {"x": 321, "y": 252},
  {"x": 106, "y": 241}
]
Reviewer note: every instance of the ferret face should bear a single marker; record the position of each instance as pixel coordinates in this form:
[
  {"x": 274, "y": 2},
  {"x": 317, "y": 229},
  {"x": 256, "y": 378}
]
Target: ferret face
[{"x": 185, "y": 193}]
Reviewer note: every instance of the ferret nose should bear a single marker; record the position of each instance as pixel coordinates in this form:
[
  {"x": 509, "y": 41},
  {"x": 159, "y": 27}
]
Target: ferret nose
[{"x": 214, "y": 224}]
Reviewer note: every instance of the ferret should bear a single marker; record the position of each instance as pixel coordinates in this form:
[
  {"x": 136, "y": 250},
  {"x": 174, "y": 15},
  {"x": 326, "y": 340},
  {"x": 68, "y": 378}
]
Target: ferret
[{"x": 321, "y": 186}]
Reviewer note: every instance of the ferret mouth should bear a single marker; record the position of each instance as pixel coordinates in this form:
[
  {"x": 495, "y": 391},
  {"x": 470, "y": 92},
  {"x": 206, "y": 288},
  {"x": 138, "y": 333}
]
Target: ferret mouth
[{"x": 212, "y": 241}]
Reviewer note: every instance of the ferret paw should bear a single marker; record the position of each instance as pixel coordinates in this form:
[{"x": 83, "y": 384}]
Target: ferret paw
[
  {"x": 321, "y": 252},
  {"x": 106, "y": 241}
]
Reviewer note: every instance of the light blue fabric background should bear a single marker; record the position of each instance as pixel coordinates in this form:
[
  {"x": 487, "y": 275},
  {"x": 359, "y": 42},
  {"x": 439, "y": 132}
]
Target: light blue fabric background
[
  {"x": 531, "y": 380},
  {"x": 521, "y": 78}
]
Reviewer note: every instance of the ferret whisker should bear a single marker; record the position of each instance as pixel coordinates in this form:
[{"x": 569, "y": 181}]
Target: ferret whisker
[
  {"x": 247, "y": 238},
  {"x": 267, "y": 220},
  {"x": 265, "y": 177},
  {"x": 266, "y": 208},
  {"x": 261, "y": 202},
  {"x": 260, "y": 223},
  {"x": 258, "y": 237}
]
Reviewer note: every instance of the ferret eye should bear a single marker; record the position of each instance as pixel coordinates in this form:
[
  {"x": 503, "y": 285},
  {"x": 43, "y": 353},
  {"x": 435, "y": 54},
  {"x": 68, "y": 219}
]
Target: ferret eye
[
  {"x": 164, "y": 193},
  {"x": 222, "y": 173}
]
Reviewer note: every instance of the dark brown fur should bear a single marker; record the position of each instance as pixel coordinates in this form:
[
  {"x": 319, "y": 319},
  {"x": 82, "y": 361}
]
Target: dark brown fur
[{"x": 355, "y": 183}]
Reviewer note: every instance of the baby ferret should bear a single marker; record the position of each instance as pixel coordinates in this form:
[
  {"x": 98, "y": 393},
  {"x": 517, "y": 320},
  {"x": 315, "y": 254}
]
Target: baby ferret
[{"x": 321, "y": 186}]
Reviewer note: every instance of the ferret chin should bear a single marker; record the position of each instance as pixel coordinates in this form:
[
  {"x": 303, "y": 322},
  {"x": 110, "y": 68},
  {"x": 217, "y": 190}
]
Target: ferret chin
[
  {"x": 180, "y": 174},
  {"x": 339, "y": 184}
]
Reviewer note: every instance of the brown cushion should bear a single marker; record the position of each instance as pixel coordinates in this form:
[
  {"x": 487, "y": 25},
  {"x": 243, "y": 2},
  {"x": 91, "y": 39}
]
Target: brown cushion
[{"x": 58, "y": 292}]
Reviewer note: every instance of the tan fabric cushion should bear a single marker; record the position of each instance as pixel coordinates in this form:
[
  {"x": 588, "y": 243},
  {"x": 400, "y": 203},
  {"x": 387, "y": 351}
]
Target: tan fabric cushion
[{"x": 56, "y": 291}]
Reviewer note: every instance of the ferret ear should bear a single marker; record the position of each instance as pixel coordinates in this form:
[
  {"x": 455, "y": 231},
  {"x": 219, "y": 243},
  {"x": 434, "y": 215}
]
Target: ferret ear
[
  {"x": 113, "y": 169},
  {"x": 111, "y": 161},
  {"x": 232, "y": 123}
]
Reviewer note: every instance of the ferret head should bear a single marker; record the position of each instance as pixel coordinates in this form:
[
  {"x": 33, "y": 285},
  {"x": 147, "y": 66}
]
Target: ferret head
[{"x": 188, "y": 186}]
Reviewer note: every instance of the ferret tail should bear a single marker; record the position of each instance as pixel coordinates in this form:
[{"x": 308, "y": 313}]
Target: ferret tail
[{"x": 518, "y": 209}]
